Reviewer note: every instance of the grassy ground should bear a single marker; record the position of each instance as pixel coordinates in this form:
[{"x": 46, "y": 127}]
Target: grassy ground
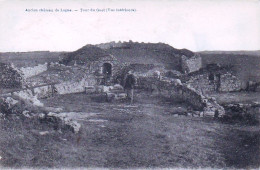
[{"x": 145, "y": 134}]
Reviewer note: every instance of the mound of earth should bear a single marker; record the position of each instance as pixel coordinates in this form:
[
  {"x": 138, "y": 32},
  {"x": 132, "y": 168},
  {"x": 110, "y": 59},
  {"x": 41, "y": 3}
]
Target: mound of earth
[
  {"x": 130, "y": 52},
  {"x": 84, "y": 55}
]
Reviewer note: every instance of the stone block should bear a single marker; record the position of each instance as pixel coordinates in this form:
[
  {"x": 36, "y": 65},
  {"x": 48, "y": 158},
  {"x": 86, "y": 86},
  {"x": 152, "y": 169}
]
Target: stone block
[
  {"x": 90, "y": 89},
  {"x": 118, "y": 87},
  {"x": 189, "y": 114},
  {"x": 120, "y": 96},
  {"x": 175, "y": 115},
  {"x": 209, "y": 113}
]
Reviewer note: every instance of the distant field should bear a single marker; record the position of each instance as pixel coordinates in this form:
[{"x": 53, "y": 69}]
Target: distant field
[
  {"x": 28, "y": 59},
  {"x": 254, "y": 53}
]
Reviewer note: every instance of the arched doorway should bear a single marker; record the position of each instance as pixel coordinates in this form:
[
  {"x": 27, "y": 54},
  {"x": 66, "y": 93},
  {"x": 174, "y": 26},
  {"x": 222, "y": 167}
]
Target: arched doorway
[
  {"x": 107, "y": 73},
  {"x": 107, "y": 70}
]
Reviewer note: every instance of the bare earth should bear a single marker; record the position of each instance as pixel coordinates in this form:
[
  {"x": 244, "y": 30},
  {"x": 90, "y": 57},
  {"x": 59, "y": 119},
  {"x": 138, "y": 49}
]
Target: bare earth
[
  {"x": 237, "y": 97},
  {"x": 145, "y": 134}
]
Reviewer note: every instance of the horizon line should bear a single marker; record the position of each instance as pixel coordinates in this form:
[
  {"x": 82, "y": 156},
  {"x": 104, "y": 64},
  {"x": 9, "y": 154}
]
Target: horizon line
[{"x": 130, "y": 41}]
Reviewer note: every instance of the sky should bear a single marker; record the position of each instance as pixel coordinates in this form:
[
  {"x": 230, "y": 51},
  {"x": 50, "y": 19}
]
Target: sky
[{"x": 196, "y": 25}]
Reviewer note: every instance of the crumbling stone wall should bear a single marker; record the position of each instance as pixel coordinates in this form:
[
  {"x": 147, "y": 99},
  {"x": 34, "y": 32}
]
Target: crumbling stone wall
[
  {"x": 181, "y": 91},
  {"x": 193, "y": 97},
  {"x": 112, "y": 44},
  {"x": 33, "y": 71},
  {"x": 201, "y": 83},
  {"x": 10, "y": 78},
  {"x": 44, "y": 91},
  {"x": 48, "y": 90},
  {"x": 229, "y": 82},
  {"x": 192, "y": 64},
  {"x": 174, "y": 88},
  {"x": 220, "y": 82},
  {"x": 95, "y": 68},
  {"x": 74, "y": 87}
]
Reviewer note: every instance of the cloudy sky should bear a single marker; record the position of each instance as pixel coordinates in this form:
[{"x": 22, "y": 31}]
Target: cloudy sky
[{"x": 193, "y": 24}]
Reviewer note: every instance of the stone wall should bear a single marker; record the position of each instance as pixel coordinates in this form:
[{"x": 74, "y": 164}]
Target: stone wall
[
  {"x": 49, "y": 90},
  {"x": 109, "y": 45},
  {"x": 173, "y": 88},
  {"x": 226, "y": 82},
  {"x": 229, "y": 82},
  {"x": 201, "y": 83},
  {"x": 192, "y": 64},
  {"x": 33, "y": 71},
  {"x": 176, "y": 89},
  {"x": 74, "y": 87},
  {"x": 95, "y": 68},
  {"x": 193, "y": 97},
  {"x": 44, "y": 91}
]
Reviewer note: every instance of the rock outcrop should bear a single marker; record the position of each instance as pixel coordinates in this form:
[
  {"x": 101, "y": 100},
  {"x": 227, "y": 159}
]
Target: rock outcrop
[{"x": 25, "y": 105}]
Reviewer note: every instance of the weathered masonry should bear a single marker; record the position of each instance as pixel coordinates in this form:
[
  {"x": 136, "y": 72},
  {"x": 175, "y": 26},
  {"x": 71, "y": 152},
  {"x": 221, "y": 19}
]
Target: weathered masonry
[{"x": 213, "y": 79}]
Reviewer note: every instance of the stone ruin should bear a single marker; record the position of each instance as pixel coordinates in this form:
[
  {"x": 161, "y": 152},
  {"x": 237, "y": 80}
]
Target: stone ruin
[
  {"x": 10, "y": 77},
  {"x": 175, "y": 89},
  {"x": 191, "y": 64},
  {"x": 104, "y": 76},
  {"x": 213, "y": 79}
]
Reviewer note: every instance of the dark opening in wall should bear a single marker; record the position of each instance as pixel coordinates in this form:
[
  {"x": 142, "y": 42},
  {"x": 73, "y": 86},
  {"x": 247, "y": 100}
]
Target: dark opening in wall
[
  {"x": 211, "y": 77},
  {"x": 107, "y": 69}
]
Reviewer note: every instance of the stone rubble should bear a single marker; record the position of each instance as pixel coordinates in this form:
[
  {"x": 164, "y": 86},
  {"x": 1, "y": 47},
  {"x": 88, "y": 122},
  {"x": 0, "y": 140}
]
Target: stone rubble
[
  {"x": 187, "y": 93},
  {"x": 67, "y": 120}
]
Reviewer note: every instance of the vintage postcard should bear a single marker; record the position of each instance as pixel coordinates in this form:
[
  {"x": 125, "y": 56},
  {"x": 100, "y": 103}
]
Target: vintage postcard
[{"x": 109, "y": 84}]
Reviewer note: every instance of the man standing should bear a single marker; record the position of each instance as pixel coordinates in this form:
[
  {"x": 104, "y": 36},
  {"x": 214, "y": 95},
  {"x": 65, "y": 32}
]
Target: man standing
[{"x": 129, "y": 82}]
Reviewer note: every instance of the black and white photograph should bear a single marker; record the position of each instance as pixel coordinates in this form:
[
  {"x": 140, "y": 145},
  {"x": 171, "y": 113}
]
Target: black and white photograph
[{"x": 109, "y": 84}]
